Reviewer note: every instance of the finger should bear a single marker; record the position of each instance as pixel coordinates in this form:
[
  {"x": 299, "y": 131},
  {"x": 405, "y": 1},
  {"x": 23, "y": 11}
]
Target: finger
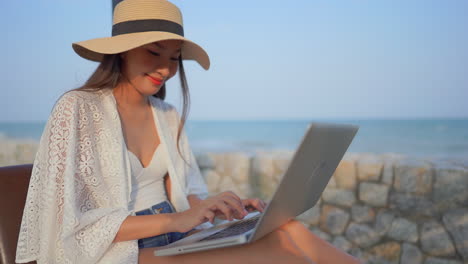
[
  {"x": 216, "y": 211},
  {"x": 235, "y": 213},
  {"x": 236, "y": 202},
  {"x": 239, "y": 215},
  {"x": 219, "y": 214},
  {"x": 257, "y": 204},
  {"x": 237, "y": 207},
  {"x": 233, "y": 195},
  {"x": 254, "y": 204},
  {"x": 247, "y": 205},
  {"x": 210, "y": 215},
  {"x": 222, "y": 206},
  {"x": 250, "y": 209}
]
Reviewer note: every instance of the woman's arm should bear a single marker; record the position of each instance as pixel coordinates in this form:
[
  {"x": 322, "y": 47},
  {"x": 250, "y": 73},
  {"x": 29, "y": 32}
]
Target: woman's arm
[
  {"x": 193, "y": 199},
  {"x": 142, "y": 226}
]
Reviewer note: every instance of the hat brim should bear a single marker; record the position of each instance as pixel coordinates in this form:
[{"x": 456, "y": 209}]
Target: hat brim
[{"x": 94, "y": 49}]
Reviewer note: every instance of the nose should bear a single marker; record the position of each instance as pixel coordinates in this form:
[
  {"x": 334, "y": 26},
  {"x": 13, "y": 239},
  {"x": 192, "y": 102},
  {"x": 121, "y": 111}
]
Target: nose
[{"x": 163, "y": 68}]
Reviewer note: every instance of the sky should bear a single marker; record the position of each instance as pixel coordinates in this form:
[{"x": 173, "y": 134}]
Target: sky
[{"x": 275, "y": 60}]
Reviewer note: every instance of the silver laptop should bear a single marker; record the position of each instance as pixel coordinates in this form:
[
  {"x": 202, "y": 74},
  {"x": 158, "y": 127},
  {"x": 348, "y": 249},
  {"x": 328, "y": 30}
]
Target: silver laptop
[{"x": 314, "y": 162}]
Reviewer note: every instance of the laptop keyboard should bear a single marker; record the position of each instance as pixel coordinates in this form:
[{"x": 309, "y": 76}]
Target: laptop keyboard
[{"x": 235, "y": 229}]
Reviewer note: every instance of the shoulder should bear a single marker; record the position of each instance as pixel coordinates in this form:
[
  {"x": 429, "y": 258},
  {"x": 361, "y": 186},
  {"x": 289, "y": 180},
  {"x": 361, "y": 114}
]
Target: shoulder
[
  {"x": 163, "y": 106},
  {"x": 77, "y": 97},
  {"x": 77, "y": 102},
  {"x": 168, "y": 110}
]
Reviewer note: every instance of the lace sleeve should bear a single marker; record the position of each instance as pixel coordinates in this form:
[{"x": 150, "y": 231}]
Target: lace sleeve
[
  {"x": 195, "y": 183},
  {"x": 72, "y": 211}
]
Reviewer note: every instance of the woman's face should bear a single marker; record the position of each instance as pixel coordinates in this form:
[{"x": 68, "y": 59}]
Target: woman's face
[{"x": 148, "y": 67}]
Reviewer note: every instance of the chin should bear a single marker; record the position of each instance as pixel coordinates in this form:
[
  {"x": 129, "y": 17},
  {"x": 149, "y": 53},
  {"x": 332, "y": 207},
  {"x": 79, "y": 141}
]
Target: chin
[{"x": 150, "y": 92}]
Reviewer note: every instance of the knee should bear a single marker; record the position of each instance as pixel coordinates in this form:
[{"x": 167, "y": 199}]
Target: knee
[
  {"x": 146, "y": 255},
  {"x": 294, "y": 225}
]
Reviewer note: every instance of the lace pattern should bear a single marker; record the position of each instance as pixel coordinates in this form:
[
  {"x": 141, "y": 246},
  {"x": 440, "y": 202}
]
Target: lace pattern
[{"x": 79, "y": 188}]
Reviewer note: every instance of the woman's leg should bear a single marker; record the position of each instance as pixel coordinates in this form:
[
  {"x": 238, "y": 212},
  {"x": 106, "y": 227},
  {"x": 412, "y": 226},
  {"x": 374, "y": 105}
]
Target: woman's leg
[
  {"x": 317, "y": 249},
  {"x": 276, "y": 247}
]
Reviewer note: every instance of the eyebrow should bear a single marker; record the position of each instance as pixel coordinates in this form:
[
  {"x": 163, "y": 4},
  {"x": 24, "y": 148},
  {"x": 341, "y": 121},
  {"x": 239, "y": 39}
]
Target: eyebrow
[{"x": 159, "y": 45}]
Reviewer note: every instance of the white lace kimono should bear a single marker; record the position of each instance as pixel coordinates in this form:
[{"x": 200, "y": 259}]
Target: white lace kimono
[{"x": 80, "y": 186}]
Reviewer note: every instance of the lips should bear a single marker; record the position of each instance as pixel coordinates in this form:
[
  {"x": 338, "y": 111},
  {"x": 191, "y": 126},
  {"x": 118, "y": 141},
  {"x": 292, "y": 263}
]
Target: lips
[{"x": 154, "y": 80}]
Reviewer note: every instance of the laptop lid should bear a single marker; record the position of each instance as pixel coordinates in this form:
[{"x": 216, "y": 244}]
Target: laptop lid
[{"x": 314, "y": 162}]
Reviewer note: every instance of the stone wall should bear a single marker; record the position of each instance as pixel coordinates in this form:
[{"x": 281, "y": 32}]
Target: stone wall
[
  {"x": 380, "y": 208},
  {"x": 17, "y": 151}
]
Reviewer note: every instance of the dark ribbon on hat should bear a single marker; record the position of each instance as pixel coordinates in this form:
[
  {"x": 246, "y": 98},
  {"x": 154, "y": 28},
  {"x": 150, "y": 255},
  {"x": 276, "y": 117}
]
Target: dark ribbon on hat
[{"x": 146, "y": 25}]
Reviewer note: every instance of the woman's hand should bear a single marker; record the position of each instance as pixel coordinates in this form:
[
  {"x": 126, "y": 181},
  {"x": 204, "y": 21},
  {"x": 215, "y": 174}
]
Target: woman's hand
[
  {"x": 254, "y": 204},
  {"x": 250, "y": 205},
  {"x": 226, "y": 204}
]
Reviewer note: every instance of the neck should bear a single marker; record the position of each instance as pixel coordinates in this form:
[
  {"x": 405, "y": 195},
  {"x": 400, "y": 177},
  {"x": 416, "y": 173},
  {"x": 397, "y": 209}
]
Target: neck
[{"x": 129, "y": 97}]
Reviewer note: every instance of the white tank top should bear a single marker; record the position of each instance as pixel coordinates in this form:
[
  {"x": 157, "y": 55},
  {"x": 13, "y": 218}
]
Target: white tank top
[{"x": 148, "y": 183}]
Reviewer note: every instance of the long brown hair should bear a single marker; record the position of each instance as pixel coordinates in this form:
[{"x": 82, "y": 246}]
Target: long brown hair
[{"x": 108, "y": 74}]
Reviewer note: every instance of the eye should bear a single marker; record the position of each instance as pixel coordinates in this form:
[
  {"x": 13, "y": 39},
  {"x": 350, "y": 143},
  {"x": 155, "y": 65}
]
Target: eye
[
  {"x": 154, "y": 53},
  {"x": 157, "y": 54}
]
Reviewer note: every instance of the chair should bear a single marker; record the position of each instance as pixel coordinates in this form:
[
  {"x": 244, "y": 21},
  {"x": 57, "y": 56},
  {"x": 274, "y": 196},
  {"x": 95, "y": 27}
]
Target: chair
[{"x": 14, "y": 182}]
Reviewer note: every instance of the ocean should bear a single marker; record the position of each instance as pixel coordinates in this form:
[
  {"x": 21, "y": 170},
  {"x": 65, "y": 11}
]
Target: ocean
[{"x": 426, "y": 138}]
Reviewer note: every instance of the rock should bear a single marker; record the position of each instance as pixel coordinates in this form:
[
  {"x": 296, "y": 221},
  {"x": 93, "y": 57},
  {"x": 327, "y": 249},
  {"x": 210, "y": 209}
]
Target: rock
[
  {"x": 413, "y": 176},
  {"x": 451, "y": 186},
  {"x": 385, "y": 253},
  {"x": 320, "y": 233},
  {"x": 311, "y": 216},
  {"x": 389, "y": 167},
  {"x": 357, "y": 253},
  {"x": 345, "y": 175},
  {"x": 333, "y": 220},
  {"x": 282, "y": 160},
  {"x": 373, "y": 194},
  {"x": 342, "y": 243},
  {"x": 410, "y": 204},
  {"x": 369, "y": 168},
  {"x": 362, "y": 213},
  {"x": 456, "y": 222},
  {"x": 227, "y": 184},
  {"x": 15, "y": 152},
  {"x": 431, "y": 260},
  {"x": 354, "y": 156},
  {"x": 387, "y": 173},
  {"x": 383, "y": 222},
  {"x": 340, "y": 197},
  {"x": 462, "y": 162},
  {"x": 435, "y": 241},
  {"x": 331, "y": 183},
  {"x": 245, "y": 190},
  {"x": 411, "y": 254},
  {"x": 362, "y": 235},
  {"x": 205, "y": 161},
  {"x": 25, "y": 151},
  {"x": 265, "y": 175},
  {"x": 235, "y": 165},
  {"x": 403, "y": 230},
  {"x": 212, "y": 180}
]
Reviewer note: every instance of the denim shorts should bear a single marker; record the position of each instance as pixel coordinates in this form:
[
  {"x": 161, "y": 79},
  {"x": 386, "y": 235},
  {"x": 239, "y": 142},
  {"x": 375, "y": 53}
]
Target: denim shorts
[{"x": 163, "y": 239}]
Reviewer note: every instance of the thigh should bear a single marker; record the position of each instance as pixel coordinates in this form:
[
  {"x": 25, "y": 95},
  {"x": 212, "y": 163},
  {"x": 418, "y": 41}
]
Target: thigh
[
  {"x": 270, "y": 249},
  {"x": 159, "y": 240},
  {"x": 155, "y": 241}
]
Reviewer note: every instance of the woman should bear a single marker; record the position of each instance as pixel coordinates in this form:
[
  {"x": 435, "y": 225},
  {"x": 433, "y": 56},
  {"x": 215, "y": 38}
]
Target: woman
[{"x": 114, "y": 176}]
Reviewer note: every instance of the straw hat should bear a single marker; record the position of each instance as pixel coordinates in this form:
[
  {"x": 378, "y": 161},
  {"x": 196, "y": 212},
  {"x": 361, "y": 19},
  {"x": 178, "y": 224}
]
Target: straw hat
[{"x": 139, "y": 22}]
